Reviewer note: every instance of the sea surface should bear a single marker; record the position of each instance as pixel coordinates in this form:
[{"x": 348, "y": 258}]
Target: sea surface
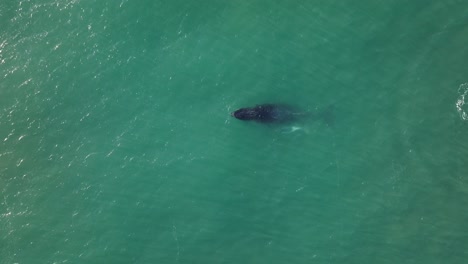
[{"x": 117, "y": 144}]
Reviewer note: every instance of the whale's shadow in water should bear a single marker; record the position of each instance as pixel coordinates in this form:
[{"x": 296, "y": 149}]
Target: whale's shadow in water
[{"x": 284, "y": 114}]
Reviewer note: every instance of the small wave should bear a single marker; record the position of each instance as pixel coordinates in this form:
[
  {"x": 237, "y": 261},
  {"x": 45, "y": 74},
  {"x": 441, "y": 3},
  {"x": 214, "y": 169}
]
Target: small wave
[{"x": 460, "y": 104}]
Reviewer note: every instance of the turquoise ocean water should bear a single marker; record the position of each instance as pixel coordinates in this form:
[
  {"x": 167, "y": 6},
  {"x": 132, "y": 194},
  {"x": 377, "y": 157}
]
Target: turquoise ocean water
[{"x": 117, "y": 144}]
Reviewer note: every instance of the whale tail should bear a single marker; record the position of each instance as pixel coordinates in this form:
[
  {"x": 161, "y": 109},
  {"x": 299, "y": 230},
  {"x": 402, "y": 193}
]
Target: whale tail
[{"x": 325, "y": 115}]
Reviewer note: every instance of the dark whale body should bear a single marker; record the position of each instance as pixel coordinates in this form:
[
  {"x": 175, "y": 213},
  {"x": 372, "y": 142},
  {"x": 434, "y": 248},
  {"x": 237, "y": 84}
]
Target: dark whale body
[{"x": 267, "y": 113}]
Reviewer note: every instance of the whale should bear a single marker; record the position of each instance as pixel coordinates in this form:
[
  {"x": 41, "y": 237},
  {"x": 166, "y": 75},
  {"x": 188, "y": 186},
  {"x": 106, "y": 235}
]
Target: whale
[
  {"x": 282, "y": 113},
  {"x": 267, "y": 113}
]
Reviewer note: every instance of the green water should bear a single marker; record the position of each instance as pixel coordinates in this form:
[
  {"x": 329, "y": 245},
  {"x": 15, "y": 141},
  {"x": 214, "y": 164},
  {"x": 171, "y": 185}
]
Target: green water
[{"x": 117, "y": 144}]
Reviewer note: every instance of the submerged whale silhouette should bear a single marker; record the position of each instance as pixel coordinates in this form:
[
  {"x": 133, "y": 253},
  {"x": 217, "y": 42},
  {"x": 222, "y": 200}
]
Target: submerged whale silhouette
[{"x": 267, "y": 113}]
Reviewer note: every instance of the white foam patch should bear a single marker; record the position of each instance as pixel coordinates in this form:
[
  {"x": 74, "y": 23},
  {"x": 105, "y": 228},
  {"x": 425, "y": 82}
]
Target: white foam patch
[
  {"x": 292, "y": 129},
  {"x": 462, "y": 108}
]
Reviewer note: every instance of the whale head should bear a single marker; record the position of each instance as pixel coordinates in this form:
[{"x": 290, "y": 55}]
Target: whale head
[{"x": 245, "y": 114}]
